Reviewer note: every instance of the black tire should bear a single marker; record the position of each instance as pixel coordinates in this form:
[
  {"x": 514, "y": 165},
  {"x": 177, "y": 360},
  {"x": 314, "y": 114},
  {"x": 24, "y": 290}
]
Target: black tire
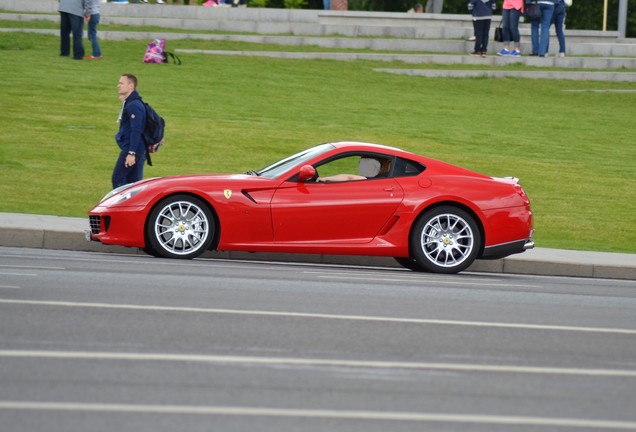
[
  {"x": 445, "y": 240},
  {"x": 150, "y": 251},
  {"x": 409, "y": 263},
  {"x": 180, "y": 226}
]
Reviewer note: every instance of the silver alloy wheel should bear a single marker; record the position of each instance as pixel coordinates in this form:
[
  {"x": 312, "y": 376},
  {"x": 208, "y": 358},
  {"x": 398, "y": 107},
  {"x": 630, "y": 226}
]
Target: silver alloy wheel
[
  {"x": 447, "y": 240},
  {"x": 181, "y": 228}
]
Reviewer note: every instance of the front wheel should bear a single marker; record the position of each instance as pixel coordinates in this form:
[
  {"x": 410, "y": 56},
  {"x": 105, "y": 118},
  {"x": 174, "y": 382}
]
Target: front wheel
[
  {"x": 180, "y": 226},
  {"x": 408, "y": 263},
  {"x": 445, "y": 240}
]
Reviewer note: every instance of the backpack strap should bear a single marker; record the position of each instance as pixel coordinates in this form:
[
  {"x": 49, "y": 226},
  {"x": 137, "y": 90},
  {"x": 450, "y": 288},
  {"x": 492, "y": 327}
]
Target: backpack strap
[{"x": 175, "y": 59}]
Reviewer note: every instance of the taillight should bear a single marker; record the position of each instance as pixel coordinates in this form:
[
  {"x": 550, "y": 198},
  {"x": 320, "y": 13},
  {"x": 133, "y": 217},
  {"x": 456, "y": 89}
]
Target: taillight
[{"x": 521, "y": 192}]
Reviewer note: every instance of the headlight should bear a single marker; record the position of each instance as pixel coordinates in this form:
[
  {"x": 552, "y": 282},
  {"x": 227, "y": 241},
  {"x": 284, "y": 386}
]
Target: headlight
[
  {"x": 127, "y": 195},
  {"x": 126, "y": 191}
]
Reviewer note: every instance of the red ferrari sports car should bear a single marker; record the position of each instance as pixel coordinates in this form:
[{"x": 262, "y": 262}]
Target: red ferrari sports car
[{"x": 343, "y": 198}]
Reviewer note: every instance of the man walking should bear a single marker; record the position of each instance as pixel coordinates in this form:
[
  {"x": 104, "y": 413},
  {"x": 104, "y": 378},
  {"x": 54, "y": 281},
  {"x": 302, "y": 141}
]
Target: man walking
[
  {"x": 129, "y": 167},
  {"x": 72, "y": 21}
]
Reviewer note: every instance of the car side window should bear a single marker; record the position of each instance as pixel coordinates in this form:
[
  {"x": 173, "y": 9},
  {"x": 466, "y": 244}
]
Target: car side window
[
  {"x": 354, "y": 167},
  {"x": 407, "y": 168},
  {"x": 344, "y": 165}
]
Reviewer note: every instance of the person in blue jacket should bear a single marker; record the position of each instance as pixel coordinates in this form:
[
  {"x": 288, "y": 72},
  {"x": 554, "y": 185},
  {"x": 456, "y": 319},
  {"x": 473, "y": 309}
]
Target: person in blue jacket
[
  {"x": 482, "y": 17},
  {"x": 129, "y": 167}
]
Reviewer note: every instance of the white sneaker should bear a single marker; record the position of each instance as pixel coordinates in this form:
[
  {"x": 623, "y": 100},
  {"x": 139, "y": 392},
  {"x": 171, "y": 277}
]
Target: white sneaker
[
  {"x": 160, "y": 2},
  {"x": 560, "y": 54}
]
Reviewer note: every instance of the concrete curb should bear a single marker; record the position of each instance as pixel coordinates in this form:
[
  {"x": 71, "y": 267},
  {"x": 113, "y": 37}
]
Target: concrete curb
[{"x": 66, "y": 233}]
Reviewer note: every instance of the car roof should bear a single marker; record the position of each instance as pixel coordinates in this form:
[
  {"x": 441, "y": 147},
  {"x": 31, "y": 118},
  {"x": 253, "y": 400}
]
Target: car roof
[
  {"x": 369, "y": 146},
  {"x": 428, "y": 162}
]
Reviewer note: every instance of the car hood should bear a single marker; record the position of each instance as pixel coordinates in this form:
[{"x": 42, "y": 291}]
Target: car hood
[
  {"x": 198, "y": 178},
  {"x": 157, "y": 186}
]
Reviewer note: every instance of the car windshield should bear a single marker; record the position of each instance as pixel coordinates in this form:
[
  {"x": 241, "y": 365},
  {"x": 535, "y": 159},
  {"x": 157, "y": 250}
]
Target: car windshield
[{"x": 282, "y": 166}]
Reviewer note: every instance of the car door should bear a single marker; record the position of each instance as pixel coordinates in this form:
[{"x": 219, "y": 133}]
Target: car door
[{"x": 343, "y": 212}]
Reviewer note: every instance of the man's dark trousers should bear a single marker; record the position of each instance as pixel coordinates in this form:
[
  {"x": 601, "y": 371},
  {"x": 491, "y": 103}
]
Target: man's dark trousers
[{"x": 74, "y": 24}]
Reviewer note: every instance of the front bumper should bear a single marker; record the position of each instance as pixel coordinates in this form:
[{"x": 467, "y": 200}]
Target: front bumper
[{"x": 124, "y": 226}]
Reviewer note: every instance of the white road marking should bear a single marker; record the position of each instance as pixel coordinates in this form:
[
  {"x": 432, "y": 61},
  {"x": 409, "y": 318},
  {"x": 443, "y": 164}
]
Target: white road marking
[
  {"x": 200, "y": 358},
  {"x": 32, "y": 267},
  {"x": 318, "y": 414},
  {"x": 9, "y": 287},
  {"x": 441, "y": 281},
  {"x": 321, "y": 316},
  {"x": 17, "y": 274}
]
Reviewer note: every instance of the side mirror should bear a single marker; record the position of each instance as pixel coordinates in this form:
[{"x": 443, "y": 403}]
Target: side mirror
[{"x": 307, "y": 172}]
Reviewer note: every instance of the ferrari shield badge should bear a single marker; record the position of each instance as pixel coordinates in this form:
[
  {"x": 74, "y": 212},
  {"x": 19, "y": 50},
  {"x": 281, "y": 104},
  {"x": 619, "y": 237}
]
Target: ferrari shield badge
[{"x": 227, "y": 193}]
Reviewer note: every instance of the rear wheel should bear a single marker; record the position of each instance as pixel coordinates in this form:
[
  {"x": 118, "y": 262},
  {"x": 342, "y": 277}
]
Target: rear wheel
[
  {"x": 445, "y": 240},
  {"x": 180, "y": 226}
]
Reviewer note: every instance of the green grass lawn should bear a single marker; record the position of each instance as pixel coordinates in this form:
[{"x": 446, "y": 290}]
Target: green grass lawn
[{"x": 573, "y": 151}]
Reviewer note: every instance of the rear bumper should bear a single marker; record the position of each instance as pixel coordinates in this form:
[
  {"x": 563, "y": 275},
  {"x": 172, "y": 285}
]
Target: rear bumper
[{"x": 505, "y": 249}]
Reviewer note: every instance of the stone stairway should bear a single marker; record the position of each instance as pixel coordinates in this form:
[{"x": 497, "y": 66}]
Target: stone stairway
[{"x": 424, "y": 38}]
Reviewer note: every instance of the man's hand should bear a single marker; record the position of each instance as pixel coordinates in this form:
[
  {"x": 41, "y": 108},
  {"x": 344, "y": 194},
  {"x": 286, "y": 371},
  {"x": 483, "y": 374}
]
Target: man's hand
[{"x": 130, "y": 160}]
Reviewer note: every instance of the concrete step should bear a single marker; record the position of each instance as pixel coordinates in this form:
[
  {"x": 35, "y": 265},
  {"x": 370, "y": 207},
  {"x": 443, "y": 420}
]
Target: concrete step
[
  {"x": 433, "y": 33},
  {"x": 452, "y": 46},
  {"x": 296, "y": 21},
  {"x": 601, "y": 63},
  {"x": 578, "y": 42},
  {"x": 236, "y": 23}
]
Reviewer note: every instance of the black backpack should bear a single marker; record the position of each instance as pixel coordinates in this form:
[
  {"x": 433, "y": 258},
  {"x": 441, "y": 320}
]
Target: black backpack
[{"x": 153, "y": 132}]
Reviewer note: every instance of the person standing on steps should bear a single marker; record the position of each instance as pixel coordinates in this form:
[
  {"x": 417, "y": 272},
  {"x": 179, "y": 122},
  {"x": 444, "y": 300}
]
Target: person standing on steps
[
  {"x": 434, "y": 6},
  {"x": 510, "y": 15},
  {"x": 92, "y": 19},
  {"x": 558, "y": 19},
  {"x": 72, "y": 22},
  {"x": 540, "y": 28},
  {"x": 482, "y": 17},
  {"x": 418, "y": 8}
]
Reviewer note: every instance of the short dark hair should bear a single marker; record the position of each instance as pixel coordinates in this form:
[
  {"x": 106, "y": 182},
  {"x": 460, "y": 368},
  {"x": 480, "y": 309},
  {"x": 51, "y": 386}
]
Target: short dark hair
[{"x": 131, "y": 78}]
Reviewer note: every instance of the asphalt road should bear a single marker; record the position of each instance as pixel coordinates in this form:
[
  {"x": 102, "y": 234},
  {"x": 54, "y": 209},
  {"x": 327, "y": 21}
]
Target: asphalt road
[{"x": 104, "y": 342}]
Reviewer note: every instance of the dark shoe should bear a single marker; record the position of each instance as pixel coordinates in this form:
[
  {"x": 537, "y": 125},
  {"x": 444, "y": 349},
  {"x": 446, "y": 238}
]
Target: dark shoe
[
  {"x": 476, "y": 53},
  {"x": 484, "y": 53}
]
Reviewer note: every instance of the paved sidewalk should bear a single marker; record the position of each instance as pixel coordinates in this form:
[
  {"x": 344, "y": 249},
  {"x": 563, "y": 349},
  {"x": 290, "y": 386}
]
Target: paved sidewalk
[{"x": 53, "y": 232}]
